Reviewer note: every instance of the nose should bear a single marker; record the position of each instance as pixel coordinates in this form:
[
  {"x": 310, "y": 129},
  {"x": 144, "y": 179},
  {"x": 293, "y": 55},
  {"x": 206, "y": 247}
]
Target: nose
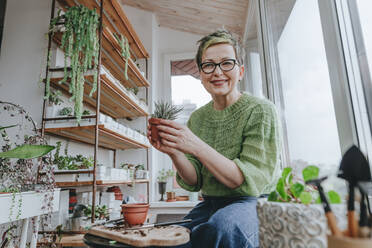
[{"x": 218, "y": 71}]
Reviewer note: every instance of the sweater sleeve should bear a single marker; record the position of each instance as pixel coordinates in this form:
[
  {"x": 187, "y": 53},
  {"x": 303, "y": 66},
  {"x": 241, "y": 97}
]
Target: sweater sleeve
[
  {"x": 197, "y": 165},
  {"x": 259, "y": 157}
]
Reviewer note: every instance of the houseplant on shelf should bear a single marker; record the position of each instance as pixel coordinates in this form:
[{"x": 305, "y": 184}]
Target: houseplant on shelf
[
  {"x": 23, "y": 152},
  {"x": 293, "y": 211},
  {"x": 80, "y": 44},
  {"x": 162, "y": 181},
  {"x": 163, "y": 110}
]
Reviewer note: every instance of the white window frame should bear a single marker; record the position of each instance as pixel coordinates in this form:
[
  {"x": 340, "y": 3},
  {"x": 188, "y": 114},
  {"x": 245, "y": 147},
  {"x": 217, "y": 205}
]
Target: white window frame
[{"x": 345, "y": 119}]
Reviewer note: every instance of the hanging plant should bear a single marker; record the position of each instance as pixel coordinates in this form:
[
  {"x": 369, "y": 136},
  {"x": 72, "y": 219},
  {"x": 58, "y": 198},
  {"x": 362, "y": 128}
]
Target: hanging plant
[
  {"x": 124, "y": 45},
  {"x": 80, "y": 44}
]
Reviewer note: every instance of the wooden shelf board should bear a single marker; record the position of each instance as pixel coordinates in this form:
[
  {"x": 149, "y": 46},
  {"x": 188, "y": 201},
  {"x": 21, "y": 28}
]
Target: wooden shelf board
[
  {"x": 113, "y": 11},
  {"x": 107, "y": 139},
  {"x": 100, "y": 183},
  {"x": 114, "y": 101}
]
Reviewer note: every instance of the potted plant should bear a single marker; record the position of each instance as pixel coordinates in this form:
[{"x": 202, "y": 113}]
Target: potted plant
[
  {"x": 135, "y": 213},
  {"x": 162, "y": 181},
  {"x": 53, "y": 101},
  {"x": 80, "y": 44},
  {"x": 23, "y": 153},
  {"x": 163, "y": 110},
  {"x": 293, "y": 211}
]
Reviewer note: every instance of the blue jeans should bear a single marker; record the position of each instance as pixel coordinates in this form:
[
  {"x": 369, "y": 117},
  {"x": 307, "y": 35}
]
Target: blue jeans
[{"x": 228, "y": 222}]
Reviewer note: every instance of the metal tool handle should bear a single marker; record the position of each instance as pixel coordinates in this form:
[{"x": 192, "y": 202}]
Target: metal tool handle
[{"x": 173, "y": 222}]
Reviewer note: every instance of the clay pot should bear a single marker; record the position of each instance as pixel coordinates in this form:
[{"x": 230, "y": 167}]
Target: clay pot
[
  {"x": 171, "y": 196},
  {"x": 154, "y": 130},
  {"x": 135, "y": 213}
]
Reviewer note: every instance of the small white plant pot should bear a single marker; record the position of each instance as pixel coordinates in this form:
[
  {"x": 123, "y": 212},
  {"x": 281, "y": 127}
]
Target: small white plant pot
[
  {"x": 52, "y": 111},
  {"x": 65, "y": 178}
]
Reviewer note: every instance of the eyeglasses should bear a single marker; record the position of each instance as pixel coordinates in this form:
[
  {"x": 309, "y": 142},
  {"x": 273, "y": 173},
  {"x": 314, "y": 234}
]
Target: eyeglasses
[{"x": 226, "y": 65}]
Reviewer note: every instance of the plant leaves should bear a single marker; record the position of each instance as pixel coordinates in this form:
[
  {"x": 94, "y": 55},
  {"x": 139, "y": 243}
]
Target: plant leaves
[
  {"x": 273, "y": 196},
  {"x": 318, "y": 201},
  {"x": 27, "y": 151},
  {"x": 305, "y": 197},
  {"x": 297, "y": 189},
  {"x": 334, "y": 197},
  {"x": 285, "y": 173},
  {"x": 310, "y": 172},
  {"x": 280, "y": 187},
  {"x": 1, "y": 128}
]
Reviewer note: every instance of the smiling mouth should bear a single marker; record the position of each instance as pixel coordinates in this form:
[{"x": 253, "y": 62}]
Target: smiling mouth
[{"x": 218, "y": 82}]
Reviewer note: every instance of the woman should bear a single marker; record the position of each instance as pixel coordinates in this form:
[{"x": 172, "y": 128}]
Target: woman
[{"x": 229, "y": 150}]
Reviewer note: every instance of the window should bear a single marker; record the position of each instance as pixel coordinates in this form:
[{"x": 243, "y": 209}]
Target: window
[
  {"x": 187, "y": 89},
  {"x": 300, "y": 84},
  {"x": 2, "y": 19}
]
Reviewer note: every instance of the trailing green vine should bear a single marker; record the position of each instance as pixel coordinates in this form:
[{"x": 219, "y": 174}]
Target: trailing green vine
[
  {"x": 124, "y": 45},
  {"x": 80, "y": 44}
]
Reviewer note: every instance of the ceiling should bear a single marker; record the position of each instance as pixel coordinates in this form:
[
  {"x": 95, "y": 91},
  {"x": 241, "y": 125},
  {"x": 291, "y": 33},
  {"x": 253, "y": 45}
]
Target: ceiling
[{"x": 197, "y": 16}]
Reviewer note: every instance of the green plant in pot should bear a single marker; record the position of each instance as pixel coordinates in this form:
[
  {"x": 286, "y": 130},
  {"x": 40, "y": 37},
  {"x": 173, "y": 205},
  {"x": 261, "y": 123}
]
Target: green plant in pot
[
  {"x": 163, "y": 110},
  {"x": 80, "y": 44},
  {"x": 162, "y": 181},
  {"x": 293, "y": 210}
]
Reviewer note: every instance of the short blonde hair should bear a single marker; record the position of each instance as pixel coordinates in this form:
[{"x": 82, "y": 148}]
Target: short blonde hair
[{"x": 221, "y": 36}]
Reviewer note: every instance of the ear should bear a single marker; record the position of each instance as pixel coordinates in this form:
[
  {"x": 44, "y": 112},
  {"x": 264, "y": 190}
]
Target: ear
[{"x": 241, "y": 72}]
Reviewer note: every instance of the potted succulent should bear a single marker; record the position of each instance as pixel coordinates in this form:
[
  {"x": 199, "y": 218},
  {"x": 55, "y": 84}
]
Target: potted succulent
[
  {"x": 162, "y": 181},
  {"x": 293, "y": 210},
  {"x": 163, "y": 110},
  {"x": 53, "y": 101}
]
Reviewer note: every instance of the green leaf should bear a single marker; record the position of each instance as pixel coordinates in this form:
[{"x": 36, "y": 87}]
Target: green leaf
[
  {"x": 112, "y": 242},
  {"x": 318, "y": 201},
  {"x": 310, "y": 172},
  {"x": 27, "y": 151},
  {"x": 297, "y": 189},
  {"x": 334, "y": 197},
  {"x": 305, "y": 197},
  {"x": 285, "y": 174},
  {"x": 1, "y": 128},
  {"x": 273, "y": 196},
  {"x": 280, "y": 187}
]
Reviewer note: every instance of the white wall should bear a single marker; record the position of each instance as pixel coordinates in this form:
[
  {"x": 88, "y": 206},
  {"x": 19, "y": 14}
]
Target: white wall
[{"x": 24, "y": 43}]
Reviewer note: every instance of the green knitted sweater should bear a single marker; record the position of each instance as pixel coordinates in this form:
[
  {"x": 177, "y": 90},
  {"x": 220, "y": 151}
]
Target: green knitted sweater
[{"x": 248, "y": 133}]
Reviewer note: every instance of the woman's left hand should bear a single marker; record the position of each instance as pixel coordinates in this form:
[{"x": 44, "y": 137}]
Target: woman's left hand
[{"x": 179, "y": 137}]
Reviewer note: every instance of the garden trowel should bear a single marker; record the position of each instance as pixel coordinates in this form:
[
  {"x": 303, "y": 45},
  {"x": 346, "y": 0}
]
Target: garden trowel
[
  {"x": 354, "y": 168},
  {"x": 331, "y": 219}
]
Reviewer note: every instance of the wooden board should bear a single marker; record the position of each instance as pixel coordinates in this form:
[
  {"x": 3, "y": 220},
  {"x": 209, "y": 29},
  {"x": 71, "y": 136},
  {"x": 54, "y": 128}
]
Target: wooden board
[
  {"x": 107, "y": 138},
  {"x": 100, "y": 183},
  {"x": 158, "y": 236},
  {"x": 114, "y": 101}
]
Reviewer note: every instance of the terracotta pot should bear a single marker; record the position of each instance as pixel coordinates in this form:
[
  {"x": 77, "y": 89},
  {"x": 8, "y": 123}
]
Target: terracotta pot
[
  {"x": 135, "y": 213},
  {"x": 171, "y": 196},
  {"x": 154, "y": 130},
  {"x": 346, "y": 242}
]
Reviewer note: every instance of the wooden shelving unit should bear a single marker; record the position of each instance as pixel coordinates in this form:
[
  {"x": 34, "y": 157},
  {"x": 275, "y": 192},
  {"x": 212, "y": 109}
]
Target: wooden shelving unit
[
  {"x": 110, "y": 98},
  {"x": 100, "y": 183},
  {"x": 114, "y": 101}
]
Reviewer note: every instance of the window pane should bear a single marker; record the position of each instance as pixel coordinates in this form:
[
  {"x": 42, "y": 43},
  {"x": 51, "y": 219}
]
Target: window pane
[
  {"x": 302, "y": 84},
  {"x": 190, "y": 93},
  {"x": 365, "y": 9}
]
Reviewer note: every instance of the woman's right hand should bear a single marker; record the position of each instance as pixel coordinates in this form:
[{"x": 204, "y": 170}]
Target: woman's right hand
[{"x": 159, "y": 145}]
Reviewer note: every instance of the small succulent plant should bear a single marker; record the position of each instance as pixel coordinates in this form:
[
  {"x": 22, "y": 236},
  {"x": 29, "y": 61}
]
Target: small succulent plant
[{"x": 166, "y": 110}]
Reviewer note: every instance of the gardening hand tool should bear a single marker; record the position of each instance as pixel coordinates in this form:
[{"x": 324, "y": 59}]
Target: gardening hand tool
[
  {"x": 364, "y": 230},
  {"x": 353, "y": 168},
  {"x": 158, "y": 224},
  {"x": 331, "y": 219}
]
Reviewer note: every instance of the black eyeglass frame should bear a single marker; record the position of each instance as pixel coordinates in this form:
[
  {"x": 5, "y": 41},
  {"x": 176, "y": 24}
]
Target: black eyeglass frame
[{"x": 219, "y": 65}]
